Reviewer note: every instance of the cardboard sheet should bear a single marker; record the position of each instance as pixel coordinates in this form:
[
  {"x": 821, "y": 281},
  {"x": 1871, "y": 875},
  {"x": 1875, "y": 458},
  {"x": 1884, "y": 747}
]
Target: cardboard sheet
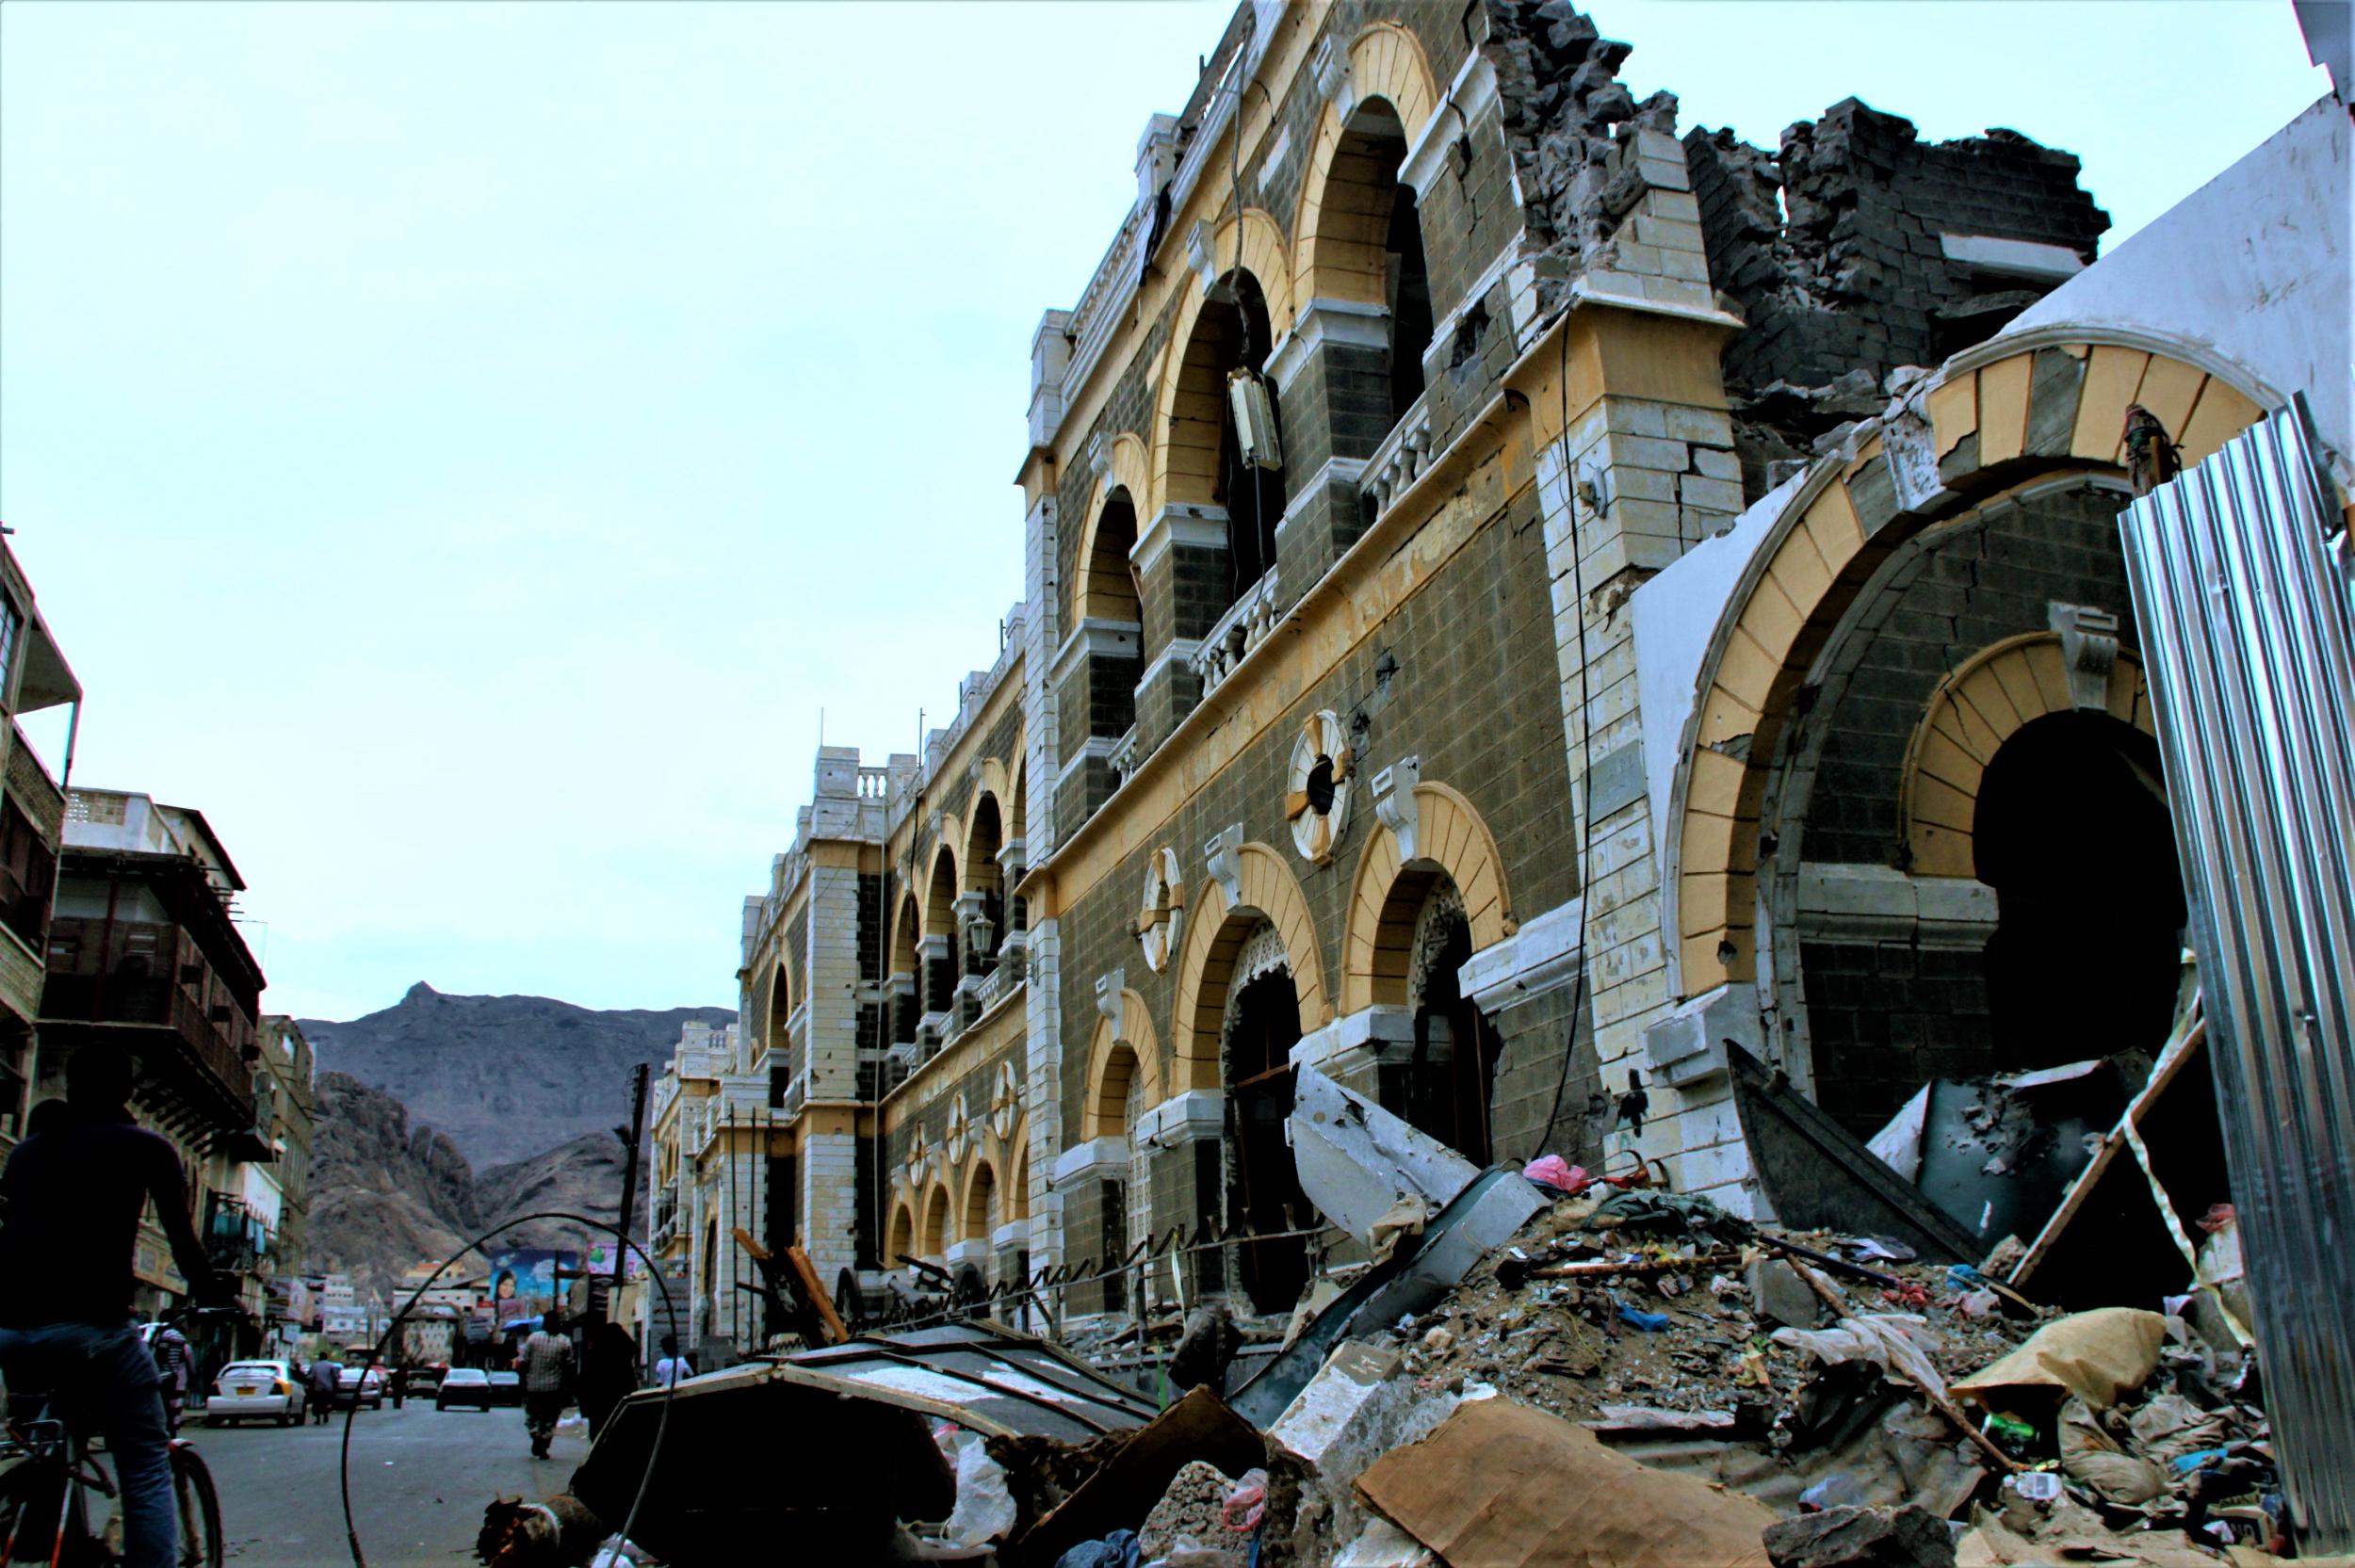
[
  {"x": 2100, "y": 1354},
  {"x": 1505, "y": 1485}
]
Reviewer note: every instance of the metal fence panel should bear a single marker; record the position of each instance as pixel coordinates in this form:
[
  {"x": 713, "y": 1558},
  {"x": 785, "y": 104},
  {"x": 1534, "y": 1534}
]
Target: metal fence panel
[{"x": 2245, "y": 591}]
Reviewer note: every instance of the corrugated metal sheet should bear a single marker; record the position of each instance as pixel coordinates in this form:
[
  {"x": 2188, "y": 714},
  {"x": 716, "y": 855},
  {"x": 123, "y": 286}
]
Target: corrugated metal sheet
[{"x": 2245, "y": 591}]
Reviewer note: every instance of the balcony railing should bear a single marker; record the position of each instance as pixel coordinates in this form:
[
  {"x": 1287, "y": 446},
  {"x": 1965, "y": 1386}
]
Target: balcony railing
[
  {"x": 1244, "y": 626},
  {"x": 216, "y": 1044},
  {"x": 1399, "y": 460}
]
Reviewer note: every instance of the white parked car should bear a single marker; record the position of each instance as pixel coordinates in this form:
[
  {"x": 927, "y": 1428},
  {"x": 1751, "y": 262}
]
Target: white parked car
[{"x": 255, "y": 1391}]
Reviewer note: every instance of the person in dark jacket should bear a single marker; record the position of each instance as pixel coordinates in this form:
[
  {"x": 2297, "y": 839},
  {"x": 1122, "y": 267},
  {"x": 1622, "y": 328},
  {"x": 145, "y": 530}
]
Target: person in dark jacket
[
  {"x": 74, "y": 1192},
  {"x": 609, "y": 1373}
]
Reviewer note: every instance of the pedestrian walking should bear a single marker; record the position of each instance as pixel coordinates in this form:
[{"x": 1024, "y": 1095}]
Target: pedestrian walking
[
  {"x": 672, "y": 1366},
  {"x": 546, "y": 1363},
  {"x": 325, "y": 1381}
]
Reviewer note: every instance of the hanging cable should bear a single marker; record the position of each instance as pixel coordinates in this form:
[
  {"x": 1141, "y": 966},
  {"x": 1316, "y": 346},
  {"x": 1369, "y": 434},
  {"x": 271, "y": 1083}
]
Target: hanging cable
[
  {"x": 1585, "y": 739},
  {"x": 376, "y": 1356}
]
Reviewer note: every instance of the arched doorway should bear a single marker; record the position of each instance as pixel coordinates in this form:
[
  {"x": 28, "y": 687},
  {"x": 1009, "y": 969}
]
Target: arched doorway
[
  {"x": 2073, "y": 831},
  {"x": 1443, "y": 1085},
  {"x": 1262, "y": 1186}
]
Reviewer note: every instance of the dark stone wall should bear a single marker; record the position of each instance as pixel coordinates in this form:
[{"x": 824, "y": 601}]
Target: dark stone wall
[
  {"x": 1850, "y": 280},
  {"x": 1887, "y": 1016}
]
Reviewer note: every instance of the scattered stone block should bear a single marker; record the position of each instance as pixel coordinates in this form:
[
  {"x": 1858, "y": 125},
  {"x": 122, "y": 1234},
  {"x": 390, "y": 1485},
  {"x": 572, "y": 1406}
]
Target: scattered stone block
[{"x": 1908, "y": 1537}]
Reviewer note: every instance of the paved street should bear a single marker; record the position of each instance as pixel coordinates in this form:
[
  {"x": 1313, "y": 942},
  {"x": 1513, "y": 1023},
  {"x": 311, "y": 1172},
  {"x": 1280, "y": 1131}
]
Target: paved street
[{"x": 419, "y": 1478}]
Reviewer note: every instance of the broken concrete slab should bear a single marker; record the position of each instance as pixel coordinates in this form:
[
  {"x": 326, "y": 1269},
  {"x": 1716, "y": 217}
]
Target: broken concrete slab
[
  {"x": 1355, "y": 1411},
  {"x": 1777, "y": 1292},
  {"x": 1908, "y": 1537},
  {"x": 1356, "y": 1161}
]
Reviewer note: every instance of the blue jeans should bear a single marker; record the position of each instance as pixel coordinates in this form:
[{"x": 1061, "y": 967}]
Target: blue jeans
[{"x": 103, "y": 1381}]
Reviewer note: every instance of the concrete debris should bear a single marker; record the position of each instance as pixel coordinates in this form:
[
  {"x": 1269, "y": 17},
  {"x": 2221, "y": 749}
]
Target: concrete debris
[
  {"x": 1190, "y": 1521},
  {"x": 1367, "y": 1170},
  {"x": 1909, "y": 1537},
  {"x": 1355, "y": 1410},
  {"x": 1779, "y": 1294}
]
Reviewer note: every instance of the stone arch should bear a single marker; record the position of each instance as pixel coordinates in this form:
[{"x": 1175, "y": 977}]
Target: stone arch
[
  {"x": 1450, "y": 840},
  {"x": 902, "y": 1234},
  {"x": 1338, "y": 249},
  {"x": 932, "y": 1239},
  {"x": 1104, "y": 591},
  {"x": 1187, "y": 406},
  {"x": 781, "y": 997},
  {"x": 980, "y": 1187},
  {"x": 1972, "y": 714},
  {"x": 1215, "y": 931},
  {"x": 1017, "y": 1156},
  {"x": 941, "y": 886},
  {"x": 907, "y": 929},
  {"x": 1123, "y": 1072},
  {"x": 984, "y": 835},
  {"x": 1993, "y": 422}
]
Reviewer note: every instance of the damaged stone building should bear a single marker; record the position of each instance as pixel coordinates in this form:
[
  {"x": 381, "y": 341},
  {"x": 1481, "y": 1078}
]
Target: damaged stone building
[{"x": 1523, "y": 594}]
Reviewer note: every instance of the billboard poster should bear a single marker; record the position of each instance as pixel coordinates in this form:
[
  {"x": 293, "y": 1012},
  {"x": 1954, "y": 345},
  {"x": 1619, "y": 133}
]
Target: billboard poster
[
  {"x": 600, "y": 1262},
  {"x": 524, "y": 1281}
]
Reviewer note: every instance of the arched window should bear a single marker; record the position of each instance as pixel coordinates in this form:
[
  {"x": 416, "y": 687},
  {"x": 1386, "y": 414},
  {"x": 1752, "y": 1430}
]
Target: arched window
[
  {"x": 983, "y": 875},
  {"x": 981, "y": 1204},
  {"x": 909, "y": 1005},
  {"x": 1376, "y": 142},
  {"x": 1231, "y": 333}
]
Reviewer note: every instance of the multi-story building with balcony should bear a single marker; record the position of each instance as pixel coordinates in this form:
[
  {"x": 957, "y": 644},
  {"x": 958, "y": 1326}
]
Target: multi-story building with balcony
[
  {"x": 1519, "y": 596},
  {"x": 144, "y": 958},
  {"x": 34, "y": 676}
]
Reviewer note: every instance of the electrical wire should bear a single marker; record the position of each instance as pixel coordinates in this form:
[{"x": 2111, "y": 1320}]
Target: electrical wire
[
  {"x": 1585, "y": 741},
  {"x": 670, "y": 1391}
]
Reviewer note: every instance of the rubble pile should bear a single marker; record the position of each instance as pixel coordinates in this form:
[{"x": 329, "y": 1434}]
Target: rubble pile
[
  {"x": 1599, "y": 1307},
  {"x": 1533, "y": 1367}
]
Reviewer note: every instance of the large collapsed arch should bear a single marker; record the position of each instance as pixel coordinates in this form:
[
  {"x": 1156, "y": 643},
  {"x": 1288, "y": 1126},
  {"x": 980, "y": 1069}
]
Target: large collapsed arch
[{"x": 1998, "y": 421}]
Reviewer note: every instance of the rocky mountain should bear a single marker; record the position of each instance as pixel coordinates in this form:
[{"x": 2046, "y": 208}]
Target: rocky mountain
[
  {"x": 503, "y": 1078},
  {"x": 385, "y": 1196}
]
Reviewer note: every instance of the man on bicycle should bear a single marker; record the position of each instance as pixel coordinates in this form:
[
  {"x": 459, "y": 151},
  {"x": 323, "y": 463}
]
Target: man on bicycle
[{"x": 74, "y": 1191}]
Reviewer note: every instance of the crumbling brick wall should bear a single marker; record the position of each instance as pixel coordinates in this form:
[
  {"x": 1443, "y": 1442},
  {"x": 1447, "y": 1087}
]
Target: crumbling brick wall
[
  {"x": 1829, "y": 249},
  {"x": 1571, "y": 125}
]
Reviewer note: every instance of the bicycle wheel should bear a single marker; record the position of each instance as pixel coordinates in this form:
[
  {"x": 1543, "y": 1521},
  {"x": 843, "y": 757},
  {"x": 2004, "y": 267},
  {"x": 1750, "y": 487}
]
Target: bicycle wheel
[
  {"x": 32, "y": 1512},
  {"x": 200, "y": 1509}
]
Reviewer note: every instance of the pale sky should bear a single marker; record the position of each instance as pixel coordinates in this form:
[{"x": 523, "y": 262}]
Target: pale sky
[{"x": 462, "y": 448}]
